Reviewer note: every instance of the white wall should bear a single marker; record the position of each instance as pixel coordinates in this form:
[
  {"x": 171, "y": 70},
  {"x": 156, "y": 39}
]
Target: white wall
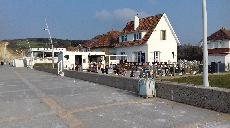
[
  {"x": 26, "y": 61},
  {"x": 227, "y": 59},
  {"x": 18, "y": 63},
  {"x": 166, "y": 47},
  {"x": 216, "y": 59},
  {"x": 130, "y": 36},
  {"x": 47, "y": 49},
  {"x": 218, "y": 44},
  {"x": 130, "y": 49},
  {"x": 70, "y": 63},
  {"x": 44, "y": 60},
  {"x": 222, "y": 59},
  {"x": 112, "y": 50}
]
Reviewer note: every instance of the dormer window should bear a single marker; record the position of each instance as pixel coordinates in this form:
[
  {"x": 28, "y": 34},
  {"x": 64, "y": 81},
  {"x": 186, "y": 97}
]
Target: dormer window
[
  {"x": 163, "y": 34},
  {"x": 137, "y": 36},
  {"x": 123, "y": 38}
]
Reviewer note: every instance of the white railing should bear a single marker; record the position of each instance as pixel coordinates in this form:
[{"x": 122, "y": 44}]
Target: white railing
[{"x": 60, "y": 69}]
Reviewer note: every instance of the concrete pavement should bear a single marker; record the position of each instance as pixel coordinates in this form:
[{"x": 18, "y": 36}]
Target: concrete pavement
[{"x": 34, "y": 99}]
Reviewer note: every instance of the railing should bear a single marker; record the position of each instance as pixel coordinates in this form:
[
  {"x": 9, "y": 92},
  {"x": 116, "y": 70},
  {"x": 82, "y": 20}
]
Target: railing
[{"x": 60, "y": 69}]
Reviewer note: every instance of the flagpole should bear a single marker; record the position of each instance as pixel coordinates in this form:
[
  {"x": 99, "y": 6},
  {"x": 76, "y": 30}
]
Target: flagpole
[{"x": 205, "y": 50}]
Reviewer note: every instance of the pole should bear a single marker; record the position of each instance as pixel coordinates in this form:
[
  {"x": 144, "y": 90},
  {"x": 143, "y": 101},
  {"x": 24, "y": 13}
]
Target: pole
[
  {"x": 51, "y": 43},
  {"x": 31, "y": 60},
  {"x": 31, "y": 54},
  {"x": 52, "y": 54},
  {"x": 205, "y": 50}
]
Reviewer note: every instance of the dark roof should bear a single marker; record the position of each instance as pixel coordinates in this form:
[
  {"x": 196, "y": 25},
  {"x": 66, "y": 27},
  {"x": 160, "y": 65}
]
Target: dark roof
[
  {"x": 221, "y": 34},
  {"x": 108, "y": 39},
  {"x": 148, "y": 23}
]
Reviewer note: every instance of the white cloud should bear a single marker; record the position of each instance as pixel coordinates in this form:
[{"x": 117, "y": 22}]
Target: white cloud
[
  {"x": 125, "y": 14},
  {"x": 103, "y": 14}
]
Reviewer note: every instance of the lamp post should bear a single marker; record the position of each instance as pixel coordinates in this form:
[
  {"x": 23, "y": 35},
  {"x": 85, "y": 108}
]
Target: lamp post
[
  {"x": 47, "y": 29},
  {"x": 205, "y": 50},
  {"x": 31, "y": 55}
]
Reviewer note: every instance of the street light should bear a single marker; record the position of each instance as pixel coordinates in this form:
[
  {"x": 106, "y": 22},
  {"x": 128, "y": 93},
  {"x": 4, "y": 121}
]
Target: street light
[
  {"x": 205, "y": 50},
  {"x": 31, "y": 55},
  {"x": 47, "y": 29}
]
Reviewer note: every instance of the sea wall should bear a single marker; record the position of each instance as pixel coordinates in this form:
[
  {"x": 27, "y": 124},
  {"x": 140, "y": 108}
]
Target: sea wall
[{"x": 213, "y": 98}]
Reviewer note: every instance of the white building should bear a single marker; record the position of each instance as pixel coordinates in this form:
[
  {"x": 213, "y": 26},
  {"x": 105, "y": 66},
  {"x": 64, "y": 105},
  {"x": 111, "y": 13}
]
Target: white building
[
  {"x": 42, "y": 55},
  {"x": 70, "y": 59},
  {"x": 150, "y": 39},
  {"x": 219, "y": 47}
]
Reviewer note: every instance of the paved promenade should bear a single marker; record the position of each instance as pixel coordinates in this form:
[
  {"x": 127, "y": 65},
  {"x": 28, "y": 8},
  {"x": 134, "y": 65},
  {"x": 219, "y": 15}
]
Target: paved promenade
[{"x": 35, "y": 99}]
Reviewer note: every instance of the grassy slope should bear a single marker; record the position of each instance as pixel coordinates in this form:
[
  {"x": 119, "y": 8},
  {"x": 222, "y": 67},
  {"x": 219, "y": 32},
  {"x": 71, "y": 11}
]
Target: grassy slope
[
  {"x": 32, "y": 44},
  {"x": 215, "y": 80}
]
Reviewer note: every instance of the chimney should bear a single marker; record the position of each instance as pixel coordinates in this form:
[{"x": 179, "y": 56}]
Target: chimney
[{"x": 136, "y": 22}]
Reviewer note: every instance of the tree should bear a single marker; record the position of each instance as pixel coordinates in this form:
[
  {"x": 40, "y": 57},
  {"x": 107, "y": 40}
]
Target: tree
[{"x": 190, "y": 52}]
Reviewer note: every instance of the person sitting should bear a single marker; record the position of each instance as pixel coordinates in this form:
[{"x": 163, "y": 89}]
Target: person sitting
[
  {"x": 111, "y": 65},
  {"x": 76, "y": 67},
  {"x": 100, "y": 61},
  {"x": 117, "y": 69}
]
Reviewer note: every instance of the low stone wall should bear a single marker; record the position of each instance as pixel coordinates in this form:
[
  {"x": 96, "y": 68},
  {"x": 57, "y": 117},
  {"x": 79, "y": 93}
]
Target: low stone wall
[
  {"x": 129, "y": 84},
  {"x": 49, "y": 70},
  {"x": 217, "y": 99},
  {"x": 213, "y": 98}
]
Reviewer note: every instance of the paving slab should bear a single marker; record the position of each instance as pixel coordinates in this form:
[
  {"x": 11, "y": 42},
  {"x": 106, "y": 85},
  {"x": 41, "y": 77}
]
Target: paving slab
[{"x": 35, "y": 99}]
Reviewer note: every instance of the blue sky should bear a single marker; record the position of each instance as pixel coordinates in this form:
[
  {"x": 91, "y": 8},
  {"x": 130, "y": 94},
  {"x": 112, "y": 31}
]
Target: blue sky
[{"x": 84, "y": 19}]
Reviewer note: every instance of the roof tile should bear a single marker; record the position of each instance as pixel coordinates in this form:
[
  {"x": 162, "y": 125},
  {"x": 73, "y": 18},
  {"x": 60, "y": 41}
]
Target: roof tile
[
  {"x": 148, "y": 23},
  {"x": 104, "y": 40},
  {"x": 221, "y": 34},
  {"x": 111, "y": 38}
]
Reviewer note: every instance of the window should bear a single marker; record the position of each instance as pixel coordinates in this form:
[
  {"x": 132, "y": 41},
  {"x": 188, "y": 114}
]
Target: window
[
  {"x": 137, "y": 36},
  {"x": 141, "y": 57},
  {"x": 156, "y": 56},
  {"x": 163, "y": 34},
  {"x": 123, "y": 57},
  {"x": 123, "y": 38}
]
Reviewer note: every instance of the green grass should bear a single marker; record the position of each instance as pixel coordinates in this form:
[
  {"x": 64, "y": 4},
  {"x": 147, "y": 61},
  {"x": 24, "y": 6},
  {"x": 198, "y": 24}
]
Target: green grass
[
  {"x": 32, "y": 44},
  {"x": 215, "y": 80}
]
